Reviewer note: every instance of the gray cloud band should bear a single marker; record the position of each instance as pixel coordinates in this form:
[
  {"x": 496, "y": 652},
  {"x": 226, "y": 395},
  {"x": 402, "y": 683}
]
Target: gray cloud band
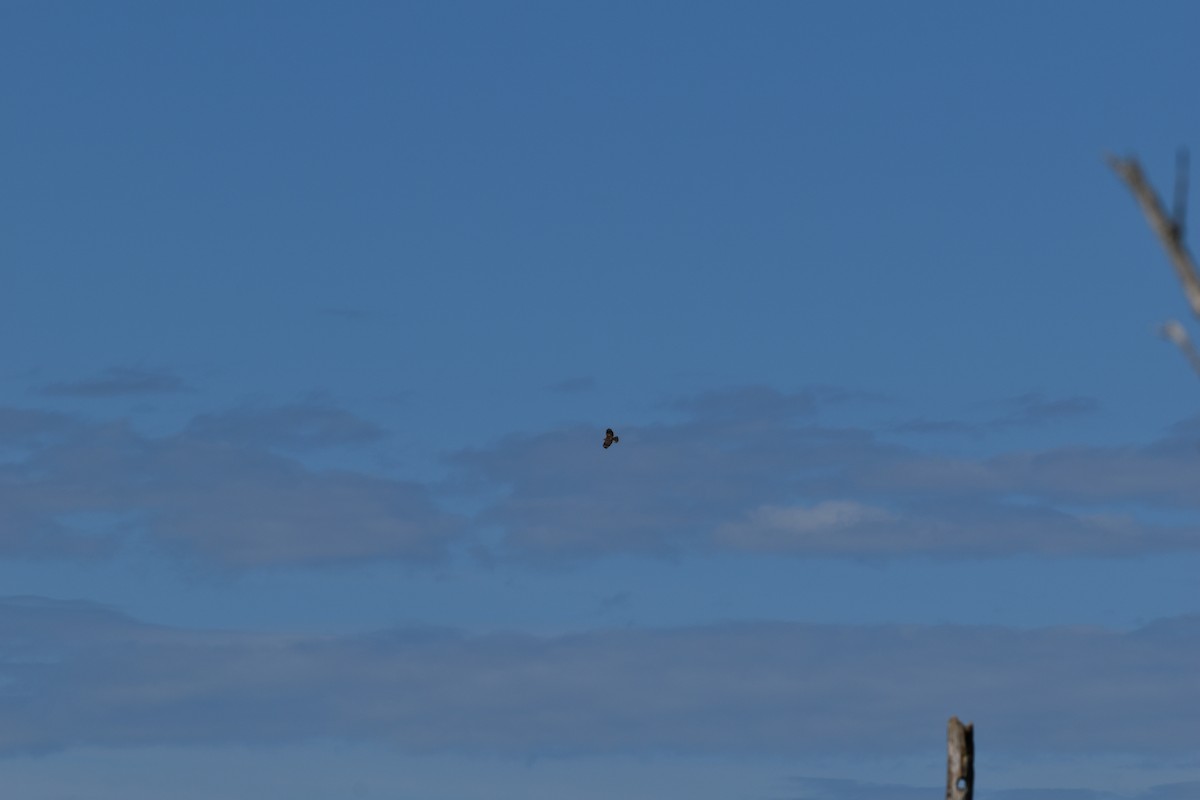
[
  {"x": 745, "y": 471},
  {"x": 81, "y": 489},
  {"x": 75, "y": 674}
]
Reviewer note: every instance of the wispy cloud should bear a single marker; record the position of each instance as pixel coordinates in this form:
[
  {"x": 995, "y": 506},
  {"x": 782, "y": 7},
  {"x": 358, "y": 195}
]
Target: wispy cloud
[
  {"x": 922, "y": 425},
  {"x": 26, "y": 427},
  {"x": 616, "y": 600},
  {"x": 298, "y": 426},
  {"x": 1035, "y": 409},
  {"x": 751, "y": 469},
  {"x": 77, "y": 674},
  {"x": 205, "y": 493},
  {"x": 119, "y": 382},
  {"x": 801, "y": 527},
  {"x": 747, "y": 469},
  {"x": 1188, "y": 428},
  {"x": 759, "y": 402},
  {"x": 1030, "y": 410}
]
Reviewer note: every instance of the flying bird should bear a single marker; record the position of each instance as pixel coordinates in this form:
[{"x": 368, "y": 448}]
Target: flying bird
[{"x": 610, "y": 438}]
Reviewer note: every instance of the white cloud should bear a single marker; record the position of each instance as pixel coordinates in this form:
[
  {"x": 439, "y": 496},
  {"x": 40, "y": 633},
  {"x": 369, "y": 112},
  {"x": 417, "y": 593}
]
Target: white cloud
[{"x": 773, "y": 527}]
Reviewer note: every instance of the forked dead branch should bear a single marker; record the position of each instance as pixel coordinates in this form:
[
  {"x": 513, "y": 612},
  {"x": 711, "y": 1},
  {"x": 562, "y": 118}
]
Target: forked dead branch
[{"x": 1170, "y": 230}]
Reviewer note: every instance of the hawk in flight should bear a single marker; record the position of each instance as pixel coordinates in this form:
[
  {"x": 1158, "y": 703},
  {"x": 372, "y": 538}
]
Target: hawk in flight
[{"x": 610, "y": 438}]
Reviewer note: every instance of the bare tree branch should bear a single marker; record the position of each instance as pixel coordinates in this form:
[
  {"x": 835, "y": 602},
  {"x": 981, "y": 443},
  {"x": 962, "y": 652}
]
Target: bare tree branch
[
  {"x": 1175, "y": 332},
  {"x": 1168, "y": 230}
]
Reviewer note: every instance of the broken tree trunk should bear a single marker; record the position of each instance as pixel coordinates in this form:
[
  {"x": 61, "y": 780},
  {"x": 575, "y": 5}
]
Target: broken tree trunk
[{"x": 960, "y": 760}]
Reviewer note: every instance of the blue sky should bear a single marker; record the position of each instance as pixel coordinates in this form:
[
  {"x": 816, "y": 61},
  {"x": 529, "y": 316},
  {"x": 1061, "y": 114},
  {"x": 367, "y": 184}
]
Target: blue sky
[{"x": 317, "y": 315}]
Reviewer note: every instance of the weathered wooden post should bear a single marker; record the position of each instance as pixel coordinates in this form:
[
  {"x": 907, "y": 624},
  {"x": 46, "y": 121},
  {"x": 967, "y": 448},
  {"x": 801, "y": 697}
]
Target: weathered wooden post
[{"x": 960, "y": 760}]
